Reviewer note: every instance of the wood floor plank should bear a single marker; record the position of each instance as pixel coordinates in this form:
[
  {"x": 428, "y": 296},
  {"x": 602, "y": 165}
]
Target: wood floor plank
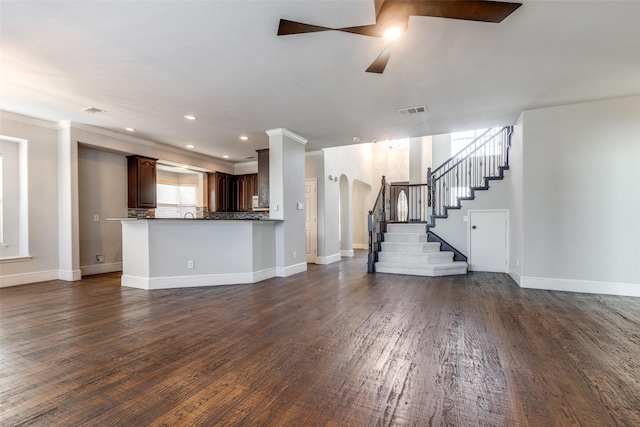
[{"x": 334, "y": 346}]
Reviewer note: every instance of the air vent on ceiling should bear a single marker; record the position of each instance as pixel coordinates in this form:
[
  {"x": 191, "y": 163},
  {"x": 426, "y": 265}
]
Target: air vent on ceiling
[
  {"x": 93, "y": 110},
  {"x": 412, "y": 110},
  {"x": 250, "y": 157}
]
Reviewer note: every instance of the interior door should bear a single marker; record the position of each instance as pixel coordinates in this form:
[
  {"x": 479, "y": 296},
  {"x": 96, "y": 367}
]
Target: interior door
[
  {"x": 488, "y": 240},
  {"x": 311, "y": 218}
]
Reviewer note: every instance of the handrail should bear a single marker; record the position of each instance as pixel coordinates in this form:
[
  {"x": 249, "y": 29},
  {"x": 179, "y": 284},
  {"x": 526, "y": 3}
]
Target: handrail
[
  {"x": 468, "y": 154},
  {"x": 484, "y": 158},
  {"x": 377, "y": 225}
]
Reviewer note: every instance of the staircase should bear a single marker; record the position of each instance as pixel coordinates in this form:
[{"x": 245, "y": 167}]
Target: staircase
[
  {"x": 400, "y": 240},
  {"x": 406, "y": 250}
]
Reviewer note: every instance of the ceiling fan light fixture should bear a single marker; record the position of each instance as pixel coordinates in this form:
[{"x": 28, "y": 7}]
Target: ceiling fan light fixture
[{"x": 393, "y": 33}]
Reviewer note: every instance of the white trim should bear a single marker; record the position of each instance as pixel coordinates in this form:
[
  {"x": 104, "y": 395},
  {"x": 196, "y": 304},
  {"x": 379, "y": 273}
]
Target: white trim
[
  {"x": 17, "y": 258},
  {"x": 584, "y": 286},
  {"x": 15, "y": 117},
  {"x": 26, "y": 278},
  {"x": 88, "y": 270},
  {"x": 361, "y": 246},
  {"x": 290, "y": 270},
  {"x": 515, "y": 276},
  {"x": 328, "y": 259},
  {"x": 287, "y": 132},
  {"x": 171, "y": 282},
  {"x": 346, "y": 253},
  {"x": 69, "y": 275}
]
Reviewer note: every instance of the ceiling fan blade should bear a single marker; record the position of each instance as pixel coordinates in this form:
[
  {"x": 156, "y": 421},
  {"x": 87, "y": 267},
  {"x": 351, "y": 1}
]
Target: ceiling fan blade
[
  {"x": 470, "y": 10},
  {"x": 365, "y": 30},
  {"x": 287, "y": 27},
  {"x": 380, "y": 63}
]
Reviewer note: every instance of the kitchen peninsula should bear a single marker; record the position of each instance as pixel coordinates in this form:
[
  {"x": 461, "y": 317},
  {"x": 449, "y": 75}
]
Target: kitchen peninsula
[{"x": 177, "y": 253}]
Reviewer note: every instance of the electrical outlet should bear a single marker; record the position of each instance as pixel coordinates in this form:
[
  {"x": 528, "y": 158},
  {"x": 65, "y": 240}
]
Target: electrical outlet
[
  {"x": 294, "y": 255},
  {"x": 190, "y": 263},
  {"x": 99, "y": 258},
  {"x": 96, "y": 218}
]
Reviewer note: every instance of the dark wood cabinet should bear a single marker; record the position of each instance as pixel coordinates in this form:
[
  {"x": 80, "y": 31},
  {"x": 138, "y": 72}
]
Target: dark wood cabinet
[
  {"x": 246, "y": 188},
  {"x": 263, "y": 178},
  {"x": 231, "y": 193},
  {"x": 141, "y": 180},
  {"x": 221, "y": 192}
]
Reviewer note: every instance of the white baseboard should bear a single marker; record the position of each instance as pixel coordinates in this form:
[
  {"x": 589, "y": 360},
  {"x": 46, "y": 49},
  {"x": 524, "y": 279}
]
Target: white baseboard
[
  {"x": 328, "y": 259},
  {"x": 26, "y": 278},
  {"x": 585, "y": 286},
  {"x": 361, "y": 246},
  {"x": 291, "y": 269},
  {"x": 151, "y": 283},
  {"x": 69, "y": 275},
  {"x": 515, "y": 276},
  {"x": 346, "y": 252},
  {"x": 88, "y": 270}
]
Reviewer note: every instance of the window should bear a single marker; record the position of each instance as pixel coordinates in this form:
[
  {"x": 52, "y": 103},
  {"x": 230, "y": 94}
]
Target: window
[
  {"x": 1, "y": 206},
  {"x": 459, "y": 140},
  {"x": 14, "y": 209},
  {"x": 175, "y": 201}
]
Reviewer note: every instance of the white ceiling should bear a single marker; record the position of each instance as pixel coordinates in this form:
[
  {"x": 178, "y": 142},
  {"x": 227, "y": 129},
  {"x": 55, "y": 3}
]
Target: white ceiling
[{"x": 148, "y": 63}]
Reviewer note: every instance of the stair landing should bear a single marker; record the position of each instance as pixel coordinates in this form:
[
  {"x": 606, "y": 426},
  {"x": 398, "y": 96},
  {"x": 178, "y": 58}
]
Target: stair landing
[{"x": 407, "y": 251}]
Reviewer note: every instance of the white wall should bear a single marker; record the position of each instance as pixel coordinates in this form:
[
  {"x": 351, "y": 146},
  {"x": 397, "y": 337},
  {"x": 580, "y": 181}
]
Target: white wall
[
  {"x": 515, "y": 176},
  {"x": 42, "y": 178},
  {"x": 454, "y": 229},
  {"x": 360, "y": 202},
  {"x": 102, "y": 187},
  {"x": 582, "y": 196},
  {"x": 286, "y": 200}
]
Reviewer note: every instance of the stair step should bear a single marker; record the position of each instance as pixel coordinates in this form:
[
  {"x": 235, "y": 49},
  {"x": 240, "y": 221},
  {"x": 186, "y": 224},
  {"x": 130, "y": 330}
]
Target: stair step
[
  {"x": 418, "y": 259},
  {"x": 406, "y": 227},
  {"x": 419, "y": 247},
  {"x": 432, "y": 270},
  {"x": 405, "y": 237}
]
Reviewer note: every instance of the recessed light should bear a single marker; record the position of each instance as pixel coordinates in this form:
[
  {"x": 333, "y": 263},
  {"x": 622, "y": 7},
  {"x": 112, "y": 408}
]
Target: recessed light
[
  {"x": 190, "y": 146},
  {"x": 130, "y": 129},
  {"x": 190, "y": 117},
  {"x": 244, "y": 138},
  {"x": 225, "y": 157}
]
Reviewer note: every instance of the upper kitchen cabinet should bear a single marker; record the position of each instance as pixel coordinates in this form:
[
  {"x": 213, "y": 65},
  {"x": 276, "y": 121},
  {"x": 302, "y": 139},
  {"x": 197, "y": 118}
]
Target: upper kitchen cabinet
[
  {"x": 246, "y": 188},
  {"x": 141, "y": 177},
  {"x": 263, "y": 178}
]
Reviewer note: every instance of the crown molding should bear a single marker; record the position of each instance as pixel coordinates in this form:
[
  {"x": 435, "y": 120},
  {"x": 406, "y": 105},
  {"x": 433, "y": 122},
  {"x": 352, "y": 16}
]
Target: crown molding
[
  {"x": 288, "y": 133},
  {"x": 21, "y": 118}
]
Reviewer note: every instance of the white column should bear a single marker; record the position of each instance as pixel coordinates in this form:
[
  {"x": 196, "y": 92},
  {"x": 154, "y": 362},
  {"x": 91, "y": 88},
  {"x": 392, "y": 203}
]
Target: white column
[
  {"x": 286, "y": 199},
  {"x": 68, "y": 222}
]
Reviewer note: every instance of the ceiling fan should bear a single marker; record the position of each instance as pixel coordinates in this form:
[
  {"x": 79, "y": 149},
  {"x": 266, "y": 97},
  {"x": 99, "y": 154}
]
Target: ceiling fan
[{"x": 392, "y": 18}]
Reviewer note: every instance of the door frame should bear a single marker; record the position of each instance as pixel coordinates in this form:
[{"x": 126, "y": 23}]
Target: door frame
[
  {"x": 506, "y": 234},
  {"x": 314, "y": 257}
]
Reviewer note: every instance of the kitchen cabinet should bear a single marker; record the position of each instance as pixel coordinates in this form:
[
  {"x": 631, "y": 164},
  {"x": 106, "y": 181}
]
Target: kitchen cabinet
[
  {"x": 141, "y": 182},
  {"x": 231, "y": 193},
  {"x": 221, "y": 192},
  {"x": 245, "y": 188},
  {"x": 263, "y": 178}
]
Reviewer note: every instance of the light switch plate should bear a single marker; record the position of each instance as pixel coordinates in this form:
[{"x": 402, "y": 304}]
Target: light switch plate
[{"x": 300, "y": 206}]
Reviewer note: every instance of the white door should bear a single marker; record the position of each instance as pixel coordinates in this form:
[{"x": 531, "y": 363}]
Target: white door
[
  {"x": 488, "y": 240},
  {"x": 311, "y": 218}
]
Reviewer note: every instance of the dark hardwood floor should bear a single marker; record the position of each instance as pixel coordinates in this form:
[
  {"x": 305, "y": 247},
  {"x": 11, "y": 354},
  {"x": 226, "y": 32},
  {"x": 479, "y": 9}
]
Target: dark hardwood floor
[{"x": 330, "y": 347}]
